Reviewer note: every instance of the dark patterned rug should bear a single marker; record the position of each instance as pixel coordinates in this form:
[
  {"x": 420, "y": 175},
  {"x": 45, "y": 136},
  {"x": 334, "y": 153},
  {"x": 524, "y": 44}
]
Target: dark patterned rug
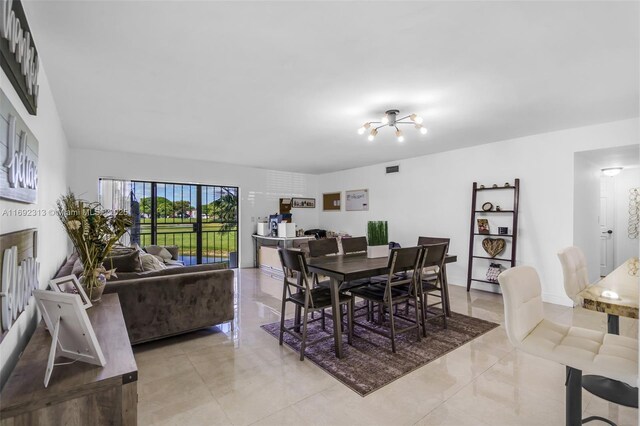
[{"x": 372, "y": 353}]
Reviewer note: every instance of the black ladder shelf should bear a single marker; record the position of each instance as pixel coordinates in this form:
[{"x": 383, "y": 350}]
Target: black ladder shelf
[{"x": 473, "y": 233}]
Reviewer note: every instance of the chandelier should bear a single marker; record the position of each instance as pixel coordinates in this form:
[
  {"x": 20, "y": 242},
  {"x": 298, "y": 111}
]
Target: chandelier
[{"x": 391, "y": 119}]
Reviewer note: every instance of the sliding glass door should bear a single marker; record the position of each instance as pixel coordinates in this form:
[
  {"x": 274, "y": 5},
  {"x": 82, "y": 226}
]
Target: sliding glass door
[{"x": 202, "y": 220}]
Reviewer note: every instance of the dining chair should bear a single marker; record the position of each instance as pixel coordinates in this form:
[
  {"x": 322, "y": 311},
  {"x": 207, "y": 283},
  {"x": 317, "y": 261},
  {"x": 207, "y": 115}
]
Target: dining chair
[
  {"x": 431, "y": 271},
  {"x": 396, "y": 290},
  {"x": 575, "y": 272},
  {"x": 354, "y": 245},
  {"x": 323, "y": 247},
  {"x": 432, "y": 283},
  {"x": 300, "y": 293}
]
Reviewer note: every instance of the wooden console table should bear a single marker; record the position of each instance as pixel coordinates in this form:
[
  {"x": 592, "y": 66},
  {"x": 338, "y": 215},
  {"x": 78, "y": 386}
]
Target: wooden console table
[{"x": 78, "y": 393}]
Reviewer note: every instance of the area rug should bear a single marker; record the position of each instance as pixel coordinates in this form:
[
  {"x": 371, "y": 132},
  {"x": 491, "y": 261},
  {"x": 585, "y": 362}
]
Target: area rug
[{"x": 369, "y": 364}]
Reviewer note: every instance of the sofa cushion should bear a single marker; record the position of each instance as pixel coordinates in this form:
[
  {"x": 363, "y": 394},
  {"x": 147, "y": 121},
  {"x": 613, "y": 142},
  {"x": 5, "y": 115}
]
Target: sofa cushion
[
  {"x": 159, "y": 251},
  {"x": 124, "y": 263},
  {"x": 123, "y": 276},
  {"x": 151, "y": 262},
  {"x": 67, "y": 268}
]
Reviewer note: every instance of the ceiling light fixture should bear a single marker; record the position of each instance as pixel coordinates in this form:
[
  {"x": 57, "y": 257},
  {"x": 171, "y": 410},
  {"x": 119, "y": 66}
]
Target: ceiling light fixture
[
  {"x": 611, "y": 171},
  {"x": 391, "y": 119}
]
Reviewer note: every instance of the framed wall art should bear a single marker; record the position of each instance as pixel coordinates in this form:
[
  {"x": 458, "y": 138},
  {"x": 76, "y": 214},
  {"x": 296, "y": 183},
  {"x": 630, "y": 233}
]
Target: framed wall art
[{"x": 303, "y": 203}]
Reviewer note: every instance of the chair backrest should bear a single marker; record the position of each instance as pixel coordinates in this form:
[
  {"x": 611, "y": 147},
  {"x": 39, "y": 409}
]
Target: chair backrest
[
  {"x": 522, "y": 295},
  {"x": 435, "y": 254},
  {"x": 574, "y": 269},
  {"x": 294, "y": 261},
  {"x": 354, "y": 245},
  {"x": 323, "y": 247},
  {"x": 405, "y": 259},
  {"x": 422, "y": 241}
]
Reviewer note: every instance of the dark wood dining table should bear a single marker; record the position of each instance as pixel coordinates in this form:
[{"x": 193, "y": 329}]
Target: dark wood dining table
[{"x": 344, "y": 268}]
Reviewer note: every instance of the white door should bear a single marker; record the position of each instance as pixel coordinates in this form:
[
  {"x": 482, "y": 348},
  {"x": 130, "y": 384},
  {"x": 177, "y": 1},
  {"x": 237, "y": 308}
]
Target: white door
[{"x": 605, "y": 219}]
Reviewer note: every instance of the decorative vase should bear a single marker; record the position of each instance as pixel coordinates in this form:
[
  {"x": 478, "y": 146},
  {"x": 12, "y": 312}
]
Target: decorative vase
[
  {"x": 378, "y": 251},
  {"x": 95, "y": 288}
]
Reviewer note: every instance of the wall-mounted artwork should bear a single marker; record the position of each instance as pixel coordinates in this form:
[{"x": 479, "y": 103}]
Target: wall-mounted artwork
[
  {"x": 331, "y": 201},
  {"x": 18, "y": 156},
  {"x": 303, "y": 203},
  {"x": 357, "y": 200}
]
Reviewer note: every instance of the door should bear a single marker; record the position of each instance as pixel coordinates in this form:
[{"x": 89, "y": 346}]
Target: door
[
  {"x": 202, "y": 220},
  {"x": 606, "y": 220}
]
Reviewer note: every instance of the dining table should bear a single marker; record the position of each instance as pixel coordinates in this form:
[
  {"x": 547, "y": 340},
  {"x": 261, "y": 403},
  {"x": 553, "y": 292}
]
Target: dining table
[
  {"x": 616, "y": 295},
  {"x": 349, "y": 267}
]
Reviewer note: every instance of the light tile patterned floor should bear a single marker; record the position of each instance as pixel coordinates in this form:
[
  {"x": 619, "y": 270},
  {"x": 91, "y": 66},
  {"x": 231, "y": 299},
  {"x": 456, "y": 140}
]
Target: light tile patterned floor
[{"x": 241, "y": 377}]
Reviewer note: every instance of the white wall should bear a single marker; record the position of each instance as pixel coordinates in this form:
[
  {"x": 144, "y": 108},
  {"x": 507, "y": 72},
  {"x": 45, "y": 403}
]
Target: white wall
[
  {"x": 625, "y": 247},
  {"x": 52, "y": 240},
  {"x": 586, "y": 211},
  {"x": 432, "y": 195},
  {"x": 260, "y": 189}
]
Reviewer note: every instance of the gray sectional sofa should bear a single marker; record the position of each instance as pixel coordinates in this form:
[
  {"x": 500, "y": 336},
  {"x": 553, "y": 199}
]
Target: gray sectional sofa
[{"x": 172, "y": 301}]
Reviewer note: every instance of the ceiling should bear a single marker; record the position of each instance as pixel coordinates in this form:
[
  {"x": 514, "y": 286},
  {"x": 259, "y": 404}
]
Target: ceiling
[{"x": 285, "y": 85}]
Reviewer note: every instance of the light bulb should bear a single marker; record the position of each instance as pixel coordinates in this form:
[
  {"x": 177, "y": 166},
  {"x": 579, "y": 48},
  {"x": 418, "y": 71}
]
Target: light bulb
[
  {"x": 364, "y": 127},
  {"x": 385, "y": 119},
  {"x": 372, "y": 135},
  {"x": 416, "y": 118},
  {"x": 399, "y": 135},
  {"x": 423, "y": 130}
]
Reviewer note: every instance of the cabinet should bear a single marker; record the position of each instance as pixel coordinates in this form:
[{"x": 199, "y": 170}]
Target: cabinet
[
  {"x": 511, "y": 216},
  {"x": 78, "y": 393}
]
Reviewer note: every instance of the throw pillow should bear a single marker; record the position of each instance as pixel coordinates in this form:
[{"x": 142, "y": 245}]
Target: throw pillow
[
  {"x": 125, "y": 263},
  {"x": 159, "y": 251},
  {"x": 174, "y": 250},
  {"x": 151, "y": 263}
]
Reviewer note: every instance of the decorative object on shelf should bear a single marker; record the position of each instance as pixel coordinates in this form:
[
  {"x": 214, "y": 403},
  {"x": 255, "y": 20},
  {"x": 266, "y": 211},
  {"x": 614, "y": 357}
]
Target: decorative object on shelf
[
  {"x": 19, "y": 170},
  {"x": 20, "y": 270},
  {"x": 357, "y": 200},
  {"x": 70, "y": 284},
  {"x": 492, "y": 273},
  {"x": 483, "y": 226},
  {"x": 391, "y": 119},
  {"x": 284, "y": 205},
  {"x": 507, "y": 184},
  {"x": 476, "y": 260},
  {"x": 634, "y": 213},
  {"x": 377, "y": 239},
  {"x": 331, "y": 201},
  {"x": 481, "y": 186},
  {"x": 76, "y": 340},
  {"x": 303, "y": 203},
  {"x": 487, "y": 207},
  {"x": 611, "y": 171},
  {"x": 493, "y": 246},
  {"x": 495, "y": 185},
  {"x": 93, "y": 232}
]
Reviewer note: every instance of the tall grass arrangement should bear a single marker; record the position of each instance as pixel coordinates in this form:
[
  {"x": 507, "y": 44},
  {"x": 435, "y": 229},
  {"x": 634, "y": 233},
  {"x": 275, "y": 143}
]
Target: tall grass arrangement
[{"x": 378, "y": 233}]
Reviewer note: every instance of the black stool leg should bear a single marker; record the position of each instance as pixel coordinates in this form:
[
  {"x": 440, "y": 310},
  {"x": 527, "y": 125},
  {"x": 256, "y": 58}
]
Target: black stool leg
[{"x": 573, "y": 397}]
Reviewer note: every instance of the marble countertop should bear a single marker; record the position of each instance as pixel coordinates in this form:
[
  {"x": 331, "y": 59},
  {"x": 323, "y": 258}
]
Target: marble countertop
[{"x": 624, "y": 282}]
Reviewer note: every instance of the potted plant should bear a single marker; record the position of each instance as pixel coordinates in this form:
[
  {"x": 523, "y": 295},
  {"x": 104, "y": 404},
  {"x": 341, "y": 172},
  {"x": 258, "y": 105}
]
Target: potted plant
[
  {"x": 93, "y": 232},
  {"x": 378, "y": 239}
]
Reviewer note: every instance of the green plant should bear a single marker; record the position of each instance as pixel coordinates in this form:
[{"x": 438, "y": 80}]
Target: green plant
[
  {"x": 377, "y": 233},
  {"x": 93, "y": 232}
]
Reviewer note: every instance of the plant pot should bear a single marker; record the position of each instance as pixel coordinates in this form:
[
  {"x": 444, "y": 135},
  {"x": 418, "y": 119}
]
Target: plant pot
[
  {"x": 377, "y": 251},
  {"x": 95, "y": 292}
]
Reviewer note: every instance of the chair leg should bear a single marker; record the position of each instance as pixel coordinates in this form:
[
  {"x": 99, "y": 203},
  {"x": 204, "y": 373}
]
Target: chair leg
[
  {"x": 417, "y": 315},
  {"x": 322, "y": 322},
  {"x": 304, "y": 335},
  {"x": 282, "y": 311},
  {"x": 573, "y": 397},
  {"x": 350, "y": 309},
  {"x": 423, "y": 312},
  {"x": 444, "y": 311},
  {"x": 393, "y": 330}
]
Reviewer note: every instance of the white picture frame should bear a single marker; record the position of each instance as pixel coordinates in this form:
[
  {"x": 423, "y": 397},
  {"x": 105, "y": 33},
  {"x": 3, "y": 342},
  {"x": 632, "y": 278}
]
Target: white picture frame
[
  {"x": 70, "y": 284},
  {"x": 71, "y": 331}
]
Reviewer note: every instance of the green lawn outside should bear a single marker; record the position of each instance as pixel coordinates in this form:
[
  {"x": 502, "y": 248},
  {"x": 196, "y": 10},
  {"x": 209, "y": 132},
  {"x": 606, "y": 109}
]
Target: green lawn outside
[{"x": 215, "y": 243}]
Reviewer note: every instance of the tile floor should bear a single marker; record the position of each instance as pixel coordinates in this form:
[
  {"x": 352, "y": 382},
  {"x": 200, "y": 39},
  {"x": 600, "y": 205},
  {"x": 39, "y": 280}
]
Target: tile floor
[{"x": 241, "y": 377}]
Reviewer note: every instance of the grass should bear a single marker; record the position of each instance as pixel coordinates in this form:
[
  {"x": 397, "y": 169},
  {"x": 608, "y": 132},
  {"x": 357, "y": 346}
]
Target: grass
[{"x": 216, "y": 243}]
